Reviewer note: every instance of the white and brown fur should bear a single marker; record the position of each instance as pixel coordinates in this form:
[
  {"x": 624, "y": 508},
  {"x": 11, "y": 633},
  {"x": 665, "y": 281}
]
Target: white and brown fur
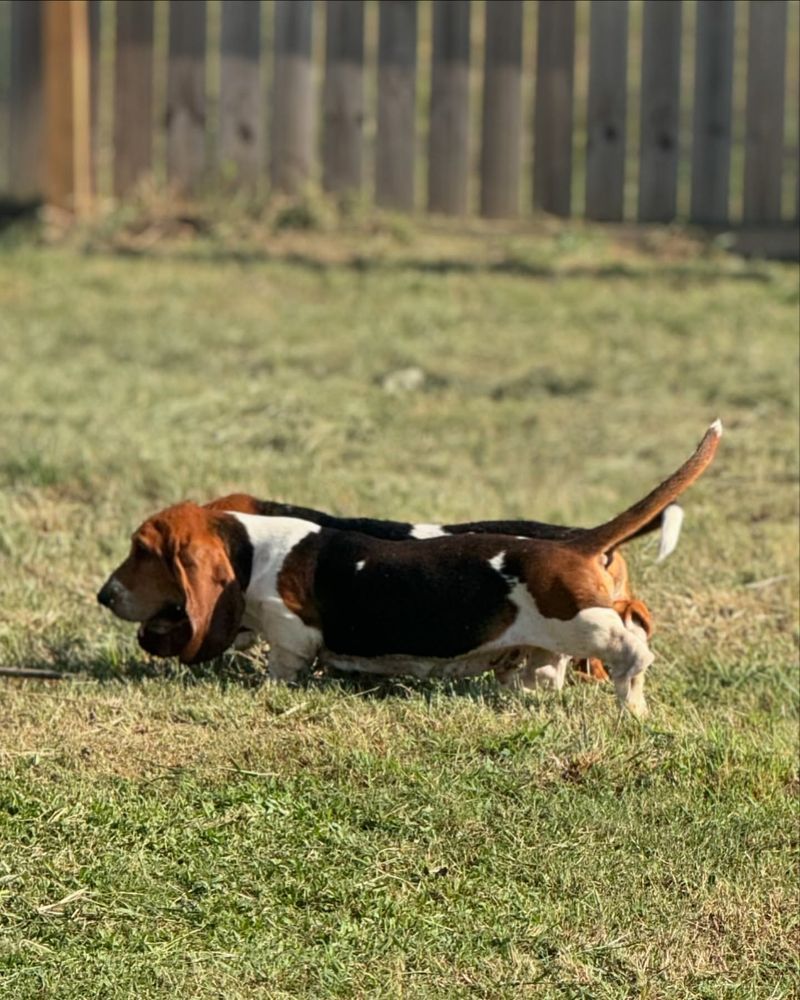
[
  {"x": 456, "y": 604},
  {"x": 634, "y": 611}
]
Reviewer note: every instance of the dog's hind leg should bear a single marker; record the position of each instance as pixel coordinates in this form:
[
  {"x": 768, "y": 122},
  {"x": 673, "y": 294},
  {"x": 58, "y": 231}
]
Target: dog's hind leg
[
  {"x": 532, "y": 668},
  {"x": 544, "y": 669},
  {"x": 551, "y": 674}
]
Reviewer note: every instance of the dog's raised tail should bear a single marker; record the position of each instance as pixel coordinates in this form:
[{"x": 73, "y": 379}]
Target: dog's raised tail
[{"x": 623, "y": 526}]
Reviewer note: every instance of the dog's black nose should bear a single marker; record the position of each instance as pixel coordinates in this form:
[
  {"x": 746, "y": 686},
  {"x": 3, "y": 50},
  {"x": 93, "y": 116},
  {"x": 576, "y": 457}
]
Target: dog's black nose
[{"x": 106, "y": 594}]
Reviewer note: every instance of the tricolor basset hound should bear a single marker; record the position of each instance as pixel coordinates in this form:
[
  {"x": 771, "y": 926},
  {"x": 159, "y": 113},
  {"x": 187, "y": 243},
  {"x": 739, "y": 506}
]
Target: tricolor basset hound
[
  {"x": 456, "y": 604},
  {"x": 635, "y": 612}
]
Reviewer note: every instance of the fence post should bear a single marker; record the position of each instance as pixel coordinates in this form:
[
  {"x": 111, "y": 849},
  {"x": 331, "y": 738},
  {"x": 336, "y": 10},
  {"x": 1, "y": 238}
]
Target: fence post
[
  {"x": 711, "y": 149},
  {"x": 605, "y": 126},
  {"x": 660, "y": 124},
  {"x": 763, "y": 154},
  {"x": 448, "y": 126},
  {"x": 94, "y": 81},
  {"x": 66, "y": 105},
  {"x": 397, "y": 68},
  {"x": 25, "y": 100},
  {"x": 553, "y": 115},
  {"x": 240, "y": 103},
  {"x": 502, "y": 104},
  {"x": 292, "y": 154},
  {"x": 133, "y": 94},
  {"x": 186, "y": 94},
  {"x": 343, "y": 116}
]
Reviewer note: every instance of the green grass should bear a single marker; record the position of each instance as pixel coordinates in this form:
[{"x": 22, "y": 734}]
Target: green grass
[{"x": 199, "y": 834}]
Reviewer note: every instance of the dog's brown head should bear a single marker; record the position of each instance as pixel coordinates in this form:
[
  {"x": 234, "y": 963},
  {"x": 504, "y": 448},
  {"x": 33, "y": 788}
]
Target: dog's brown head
[{"x": 179, "y": 581}]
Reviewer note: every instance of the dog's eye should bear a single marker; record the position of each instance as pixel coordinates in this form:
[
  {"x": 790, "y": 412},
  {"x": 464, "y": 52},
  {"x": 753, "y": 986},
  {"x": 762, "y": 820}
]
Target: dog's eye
[{"x": 140, "y": 550}]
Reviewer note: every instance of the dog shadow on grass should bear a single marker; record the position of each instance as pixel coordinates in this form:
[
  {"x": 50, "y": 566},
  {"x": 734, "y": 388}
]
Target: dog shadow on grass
[
  {"x": 250, "y": 671},
  {"x": 124, "y": 663}
]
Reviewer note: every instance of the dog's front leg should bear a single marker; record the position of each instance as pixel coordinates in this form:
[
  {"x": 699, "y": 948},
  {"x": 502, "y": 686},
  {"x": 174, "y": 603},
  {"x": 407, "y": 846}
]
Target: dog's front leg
[
  {"x": 293, "y": 646},
  {"x": 284, "y": 665}
]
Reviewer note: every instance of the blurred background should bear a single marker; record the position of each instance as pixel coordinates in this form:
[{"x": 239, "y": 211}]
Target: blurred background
[{"x": 611, "y": 110}]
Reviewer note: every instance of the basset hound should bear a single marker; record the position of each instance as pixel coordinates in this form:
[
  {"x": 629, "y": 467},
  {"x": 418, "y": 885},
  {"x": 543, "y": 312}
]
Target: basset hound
[
  {"x": 455, "y": 604},
  {"x": 635, "y": 612}
]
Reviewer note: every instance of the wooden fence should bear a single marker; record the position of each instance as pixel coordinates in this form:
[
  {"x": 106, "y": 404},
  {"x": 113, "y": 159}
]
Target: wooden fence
[{"x": 651, "y": 110}]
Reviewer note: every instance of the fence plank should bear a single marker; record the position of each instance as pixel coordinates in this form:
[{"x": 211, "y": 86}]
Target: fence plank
[
  {"x": 25, "y": 100},
  {"x": 605, "y": 126},
  {"x": 241, "y": 135},
  {"x": 67, "y": 145},
  {"x": 502, "y": 106},
  {"x": 711, "y": 152},
  {"x": 186, "y": 94},
  {"x": 292, "y": 96},
  {"x": 660, "y": 125},
  {"x": 343, "y": 114},
  {"x": 397, "y": 68},
  {"x": 448, "y": 127},
  {"x": 766, "y": 76},
  {"x": 94, "y": 81},
  {"x": 553, "y": 115},
  {"x": 133, "y": 94}
]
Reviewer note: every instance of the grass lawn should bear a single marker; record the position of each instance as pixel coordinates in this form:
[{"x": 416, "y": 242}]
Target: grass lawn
[{"x": 168, "y": 833}]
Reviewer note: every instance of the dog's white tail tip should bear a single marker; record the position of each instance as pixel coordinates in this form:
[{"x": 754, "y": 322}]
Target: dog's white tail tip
[
  {"x": 671, "y": 522},
  {"x": 716, "y": 427}
]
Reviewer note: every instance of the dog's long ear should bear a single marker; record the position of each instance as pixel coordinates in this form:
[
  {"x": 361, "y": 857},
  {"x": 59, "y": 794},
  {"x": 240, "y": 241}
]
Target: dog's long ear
[
  {"x": 214, "y": 600},
  {"x": 634, "y": 612}
]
